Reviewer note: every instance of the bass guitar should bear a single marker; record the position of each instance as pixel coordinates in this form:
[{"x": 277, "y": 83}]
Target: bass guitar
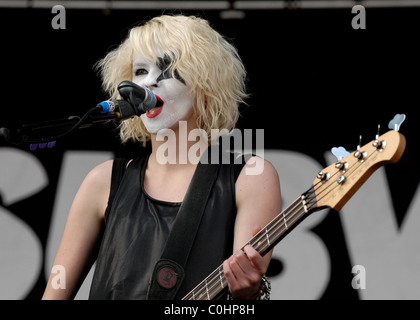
[{"x": 332, "y": 187}]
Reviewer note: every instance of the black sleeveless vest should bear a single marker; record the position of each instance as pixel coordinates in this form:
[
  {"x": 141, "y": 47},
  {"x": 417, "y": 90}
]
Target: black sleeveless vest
[{"x": 136, "y": 229}]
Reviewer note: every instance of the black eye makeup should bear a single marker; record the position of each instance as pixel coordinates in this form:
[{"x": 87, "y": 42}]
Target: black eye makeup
[{"x": 163, "y": 64}]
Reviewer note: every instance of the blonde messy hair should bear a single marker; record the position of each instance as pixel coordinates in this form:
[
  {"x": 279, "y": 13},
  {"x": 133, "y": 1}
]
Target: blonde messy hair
[{"x": 209, "y": 65}]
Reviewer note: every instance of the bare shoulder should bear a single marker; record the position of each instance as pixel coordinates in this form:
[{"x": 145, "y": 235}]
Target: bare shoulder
[
  {"x": 95, "y": 188},
  {"x": 99, "y": 176},
  {"x": 258, "y": 175},
  {"x": 258, "y": 189}
]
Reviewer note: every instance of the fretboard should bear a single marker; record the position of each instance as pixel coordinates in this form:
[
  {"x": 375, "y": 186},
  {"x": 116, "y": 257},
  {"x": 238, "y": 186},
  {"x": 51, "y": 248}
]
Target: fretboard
[{"x": 215, "y": 283}]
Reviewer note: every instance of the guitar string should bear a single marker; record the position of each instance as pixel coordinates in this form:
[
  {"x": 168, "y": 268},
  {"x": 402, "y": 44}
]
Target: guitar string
[
  {"x": 327, "y": 189},
  {"x": 201, "y": 294},
  {"x": 207, "y": 284},
  {"x": 263, "y": 244},
  {"x": 259, "y": 239},
  {"x": 281, "y": 218},
  {"x": 207, "y": 287},
  {"x": 307, "y": 196},
  {"x": 217, "y": 282},
  {"x": 330, "y": 187},
  {"x": 332, "y": 184},
  {"x": 331, "y": 181},
  {"x": 288, "y": 213},
  {"x": 348, "y": 172},
  {"x": 211, "y": 283}
]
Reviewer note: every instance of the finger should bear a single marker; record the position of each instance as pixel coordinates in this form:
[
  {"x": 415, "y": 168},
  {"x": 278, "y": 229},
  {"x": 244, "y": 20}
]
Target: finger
[
  {"x": 256, "y": 230},
  {"x": 243, "y": 261},
  {"x": 232, "y": 270},
  {"x": 247, "y": 275},
  {"x": 230, "y": 276},
  {"x": 237, "y": 269},
  {"x": 245, "y": 279},
  {"x": 257, "y": 261},
  {"x": 227, "y": 271}
]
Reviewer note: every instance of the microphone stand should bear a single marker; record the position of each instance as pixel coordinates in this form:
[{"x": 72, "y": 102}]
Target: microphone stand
[
  {"x": 40, "y": 133},
  {"x": 50, "y": 131}
]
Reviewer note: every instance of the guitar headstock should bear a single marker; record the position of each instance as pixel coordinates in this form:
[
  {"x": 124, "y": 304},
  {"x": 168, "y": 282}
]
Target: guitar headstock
[{"x": 337, "y": 183}]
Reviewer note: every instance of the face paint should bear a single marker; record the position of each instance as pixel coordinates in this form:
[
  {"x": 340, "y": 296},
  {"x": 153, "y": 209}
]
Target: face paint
[
  {"x": 177, "y": 101},
  {"x": 163, "y": 64}
]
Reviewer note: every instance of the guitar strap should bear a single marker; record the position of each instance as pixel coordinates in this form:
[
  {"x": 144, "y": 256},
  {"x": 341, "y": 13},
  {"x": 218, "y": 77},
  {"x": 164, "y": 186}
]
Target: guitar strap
[{"x": 169, "y": 272}]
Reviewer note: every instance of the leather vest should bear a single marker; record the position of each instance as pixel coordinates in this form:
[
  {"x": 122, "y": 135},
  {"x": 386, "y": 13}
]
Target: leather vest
[{"x": 136, "y": 229}]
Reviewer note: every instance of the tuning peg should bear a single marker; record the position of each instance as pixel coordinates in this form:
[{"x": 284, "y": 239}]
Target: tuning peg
[
  {"x": 340, "y": 153},
  {"x": 395, "y": 123},
  {"x": 360, "y": 143},
  {"x": 377, "y": 133},
  {"x": 376, "y": 143}
]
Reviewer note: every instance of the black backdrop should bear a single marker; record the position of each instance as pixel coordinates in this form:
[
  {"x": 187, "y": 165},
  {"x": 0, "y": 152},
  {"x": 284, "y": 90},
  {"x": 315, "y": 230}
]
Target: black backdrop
[{"x": 315, "y": 83}]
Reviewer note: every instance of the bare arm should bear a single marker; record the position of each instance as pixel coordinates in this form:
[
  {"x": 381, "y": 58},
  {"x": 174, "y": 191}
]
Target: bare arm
[
  {"x": 258, "y": 200},
  {"x": 81, "y": 236}
]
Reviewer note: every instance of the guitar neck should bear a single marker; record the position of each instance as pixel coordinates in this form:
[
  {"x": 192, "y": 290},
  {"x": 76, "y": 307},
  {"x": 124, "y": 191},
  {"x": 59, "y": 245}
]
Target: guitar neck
[
  {"x": 215, "y": 284},
  {"x": 332, "y": 188}
]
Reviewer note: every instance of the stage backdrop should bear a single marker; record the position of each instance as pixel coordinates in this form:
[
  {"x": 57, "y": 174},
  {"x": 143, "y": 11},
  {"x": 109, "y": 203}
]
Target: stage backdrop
[{"x": 315, "y": 83}]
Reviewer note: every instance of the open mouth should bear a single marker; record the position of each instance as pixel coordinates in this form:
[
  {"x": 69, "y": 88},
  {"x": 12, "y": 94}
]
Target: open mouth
[{"x": 157, "y": 109}]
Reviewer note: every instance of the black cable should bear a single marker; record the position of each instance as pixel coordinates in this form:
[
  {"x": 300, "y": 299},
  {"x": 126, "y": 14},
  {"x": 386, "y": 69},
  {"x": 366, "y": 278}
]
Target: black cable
[{"x": 82, "y": 120}]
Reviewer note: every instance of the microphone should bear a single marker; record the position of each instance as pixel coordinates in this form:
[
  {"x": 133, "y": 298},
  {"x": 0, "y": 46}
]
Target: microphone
[
  {"x": 120, "y": 108},
  {"x": 137, "y": 100}
]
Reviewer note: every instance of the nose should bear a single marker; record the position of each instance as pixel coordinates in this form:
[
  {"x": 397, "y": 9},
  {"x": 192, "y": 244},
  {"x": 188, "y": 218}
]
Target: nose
[
  {"x": 151, "y": 80},
  {"x": 152, "y": 83}
]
